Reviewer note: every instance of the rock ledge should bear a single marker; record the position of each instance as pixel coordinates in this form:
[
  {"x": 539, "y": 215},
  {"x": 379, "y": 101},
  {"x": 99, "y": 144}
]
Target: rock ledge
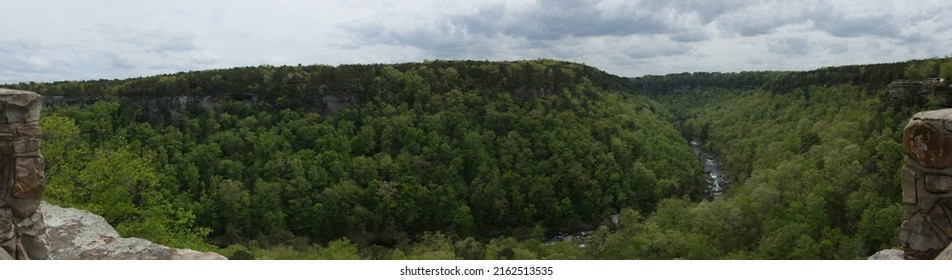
[
  {"x": 888, "y": 254},
  {"x": 80, "y": 235}
]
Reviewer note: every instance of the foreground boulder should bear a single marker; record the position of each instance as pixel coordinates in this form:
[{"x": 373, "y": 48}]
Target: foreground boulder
[
  {"x": 79, "y": 235},
  {"x": 888, "y": 254}
]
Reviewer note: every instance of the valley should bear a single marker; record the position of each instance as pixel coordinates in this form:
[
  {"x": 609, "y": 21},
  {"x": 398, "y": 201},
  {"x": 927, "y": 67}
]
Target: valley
[{"x": 487, "y": 160}]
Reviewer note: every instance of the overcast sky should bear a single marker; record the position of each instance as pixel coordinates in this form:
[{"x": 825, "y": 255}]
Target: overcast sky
[{"x": 77, "y": 40}]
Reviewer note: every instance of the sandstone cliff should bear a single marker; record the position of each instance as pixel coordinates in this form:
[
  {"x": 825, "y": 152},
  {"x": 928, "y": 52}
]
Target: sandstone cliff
[
  {"x": 906, "y": 94},
  {"x": 169, "y": 109},
  {"x": 79, "y": 235}
]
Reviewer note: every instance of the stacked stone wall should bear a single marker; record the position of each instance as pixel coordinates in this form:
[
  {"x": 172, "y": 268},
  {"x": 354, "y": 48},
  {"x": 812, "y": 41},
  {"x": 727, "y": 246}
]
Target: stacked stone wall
[
  {"x": 927, "y": 185},
  {"x": 22, "y": 178}
]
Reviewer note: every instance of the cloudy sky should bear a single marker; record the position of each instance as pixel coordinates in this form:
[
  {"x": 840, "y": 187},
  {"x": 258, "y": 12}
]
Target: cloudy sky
[{"x": 49, "y": 40}]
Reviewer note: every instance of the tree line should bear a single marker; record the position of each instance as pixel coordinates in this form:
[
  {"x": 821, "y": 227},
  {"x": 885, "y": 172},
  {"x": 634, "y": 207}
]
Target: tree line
[{"x": 870, "y": 78}]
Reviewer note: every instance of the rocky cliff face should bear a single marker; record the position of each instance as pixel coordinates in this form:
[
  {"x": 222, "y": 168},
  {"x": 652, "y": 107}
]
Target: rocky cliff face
[
  {"x": 79, "y": 235},
  {"x": 169, "y": 109},
  {"x": 907, "y": 94}
]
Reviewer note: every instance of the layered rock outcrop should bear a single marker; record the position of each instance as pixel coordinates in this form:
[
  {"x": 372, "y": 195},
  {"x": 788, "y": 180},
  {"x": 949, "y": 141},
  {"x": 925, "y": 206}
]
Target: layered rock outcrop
[
  {"x": 170, "y": 109},
  {"x": 905, "y": 94}
]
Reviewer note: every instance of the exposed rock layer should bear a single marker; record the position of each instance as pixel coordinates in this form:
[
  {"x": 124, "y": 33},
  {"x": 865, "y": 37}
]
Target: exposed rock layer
[
  {"x": 169, "y": 109},
  {"x": 913, "y": 93}
]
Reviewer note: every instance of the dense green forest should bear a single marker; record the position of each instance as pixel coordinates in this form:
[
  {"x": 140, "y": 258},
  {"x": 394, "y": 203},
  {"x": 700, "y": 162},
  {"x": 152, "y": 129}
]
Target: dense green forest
[
  {"x": 489, "y": 160},
  {"x": 426, "y": 149},
  {"x": 814, "y": 172}
]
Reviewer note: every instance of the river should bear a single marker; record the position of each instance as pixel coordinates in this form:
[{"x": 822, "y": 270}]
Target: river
[
  {"x": 715, "y": 177},
  {"x": 715, "y": 187}
]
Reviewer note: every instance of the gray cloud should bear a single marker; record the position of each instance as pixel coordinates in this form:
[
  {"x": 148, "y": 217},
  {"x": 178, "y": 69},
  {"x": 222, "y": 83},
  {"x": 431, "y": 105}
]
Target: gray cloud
[
  {"x": 122, "y": 62},
  {"x": 553, "y": 20},
  {"x": 690, "y": 36},
  {"x": 766, "y": 18},
  {"x": 707, "y": 11},
  {"x": 486, "y": 21},
  {"x": 843, "y": 25},
  {"x": 25, "y": 64},
  {"x": 442, "y": 39},
  {"x": 655, "y": 47},
  {"x": 837, "y": 48},
  {"x": 624, "y": 37},
  {"x": 151, "y": 39},
  {"x": 27, "y": 57},
  {"x": 547, "y": 20},
  {"x": 789, "y": 46}
]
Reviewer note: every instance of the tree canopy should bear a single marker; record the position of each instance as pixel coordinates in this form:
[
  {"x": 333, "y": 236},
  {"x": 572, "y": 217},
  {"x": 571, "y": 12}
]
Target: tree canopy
[
  {"x": 487, "y": 160},
  {"x": 469, "y": 149}
]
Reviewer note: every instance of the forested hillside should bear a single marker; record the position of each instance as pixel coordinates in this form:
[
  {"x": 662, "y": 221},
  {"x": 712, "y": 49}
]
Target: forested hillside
[
  {"x": 870, "y": 78},
  {"x": 814, "y": 172},
  {"x": 461, "y": 150},
  {"x": 814, "y": 159},
  {"x": 490, "y": 160}
]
